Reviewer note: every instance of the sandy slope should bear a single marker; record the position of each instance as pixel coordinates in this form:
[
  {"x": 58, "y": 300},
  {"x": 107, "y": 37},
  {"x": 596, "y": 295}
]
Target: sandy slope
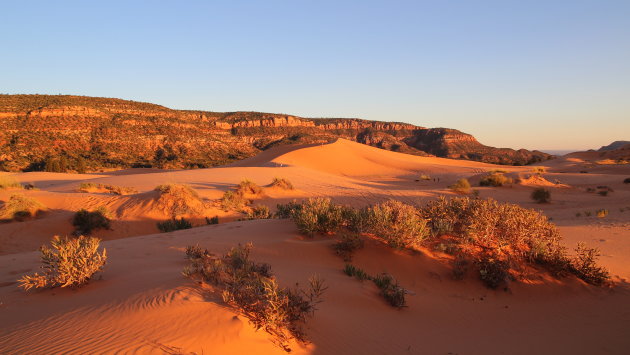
[{"x": 144, "y": 305}]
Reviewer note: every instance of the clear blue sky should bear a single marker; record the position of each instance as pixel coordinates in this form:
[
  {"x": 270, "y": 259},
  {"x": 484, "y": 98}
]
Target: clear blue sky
[{"x": 521, "y": 74}]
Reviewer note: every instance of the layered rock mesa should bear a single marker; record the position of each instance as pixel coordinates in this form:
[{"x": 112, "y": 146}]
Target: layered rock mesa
[{"x": 79, "y": 133}]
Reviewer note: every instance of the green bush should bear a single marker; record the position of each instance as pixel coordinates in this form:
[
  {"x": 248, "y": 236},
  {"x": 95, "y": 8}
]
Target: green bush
[
  {"x": 462, "y": 186},
  {"x": 347, "y": 245},
  {"x": 69, "y": 263},
  {"x": 20, "y": 207},
  {"x": 541, "y": 195},
  {"x": 85, "y": 222},
  {"x": 495, "y": 179},
  {"x": 287, "y": 210},
  {"x": 398, "y": 224},
  {"x": 174, "y": 224},
  {"x": 282, "y": 183},
  {"x": 252, "y": 290},
  {"x": 318, "y": 215}
]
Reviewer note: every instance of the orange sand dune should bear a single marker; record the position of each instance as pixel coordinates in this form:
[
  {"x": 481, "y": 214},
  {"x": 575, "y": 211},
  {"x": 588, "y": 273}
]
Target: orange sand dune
[{"x": 144, "y": 305}]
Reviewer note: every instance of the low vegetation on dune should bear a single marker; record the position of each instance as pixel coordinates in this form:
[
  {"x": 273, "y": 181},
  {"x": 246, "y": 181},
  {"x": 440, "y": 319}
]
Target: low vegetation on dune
[
  {"x": 248, "y": 187},
  {"x": 8, "y": 182},
  {"x": 85, "y": 222},
  {"x": 174, "y": 224},
  {"x": 251, "y": 289},
  {"x": 212, "y": 220},
  {"x": 179, "y": 199},
  {"x": 259, "y": 212},
  {"x": 239, "y": 198},
  {"x": 496, "y": 179},
  {"x": 626, "y": 181},
  {"x": 69, "y": 262},
  {"x": 497, "y": 241},
  {"x": 347, "y": 245},
  {"x": 113, "y": 189},
  {"x": 541, "y": 195},
  {"x": 389, "y": 287},
  {"x": 20, "y": 208},
  {"x": 461, "y": 186},
  {"x": 282, "y": 183}
]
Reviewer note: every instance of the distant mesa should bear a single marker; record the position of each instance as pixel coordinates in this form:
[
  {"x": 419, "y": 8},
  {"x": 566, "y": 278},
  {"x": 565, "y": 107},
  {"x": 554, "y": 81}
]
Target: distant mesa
[{"x": 79, "y": 133}]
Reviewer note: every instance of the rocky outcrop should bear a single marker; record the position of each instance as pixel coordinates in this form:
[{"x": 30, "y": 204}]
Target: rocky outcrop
[{"x": 118, "y": 133}]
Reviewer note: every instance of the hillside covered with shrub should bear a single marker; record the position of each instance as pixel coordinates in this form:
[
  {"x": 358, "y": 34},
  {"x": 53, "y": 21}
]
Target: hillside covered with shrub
[{"x": 77, "y": 133}]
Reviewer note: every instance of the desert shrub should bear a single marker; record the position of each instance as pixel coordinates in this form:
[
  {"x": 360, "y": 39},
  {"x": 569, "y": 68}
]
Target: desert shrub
[
  {"x": 424, "y": 177},
  {"x": 347, "y": 245},
  {"x": 578, "y": 214},
  {"x": 498, "y": 238},
  {"x": 85, "y": 222},
  {"x": 462, "y": 186},
  {"x": 539, "y": 169},
  {"x": 9, "y": 182},
  {"x": 398, "y": 224},
  {"x": 20, "y": 207},
  {"x": 252, "y": 290},
  {"x": 248, "y": 187},
  {"x": 233, "y": 201},
  {"x": 603, "y": 192},
  {"x": 495, "y": 179},
  {"x": 194, "y": 252},
  {"x": 116, "y": 190},
  {"x": 287, "y": 210},
  {"x": 584, "y": 265},
  {"x": 282, "y": 183},
  {"x": 541, "y": 195},
  {"x": 460, "y": 267},
  {"x": 318, "y": 215},
  {"x": 259, "y": 212},
  {"x": 626, "y": 181},
  {"x": 179, "y": 199},
  {"x": 174, "y": 224},
  {"x": 391, "y": 290},
  {"x": 69, "y": 263},
  {"x": 587, "y": 213},
  {"x": 601, "y": 213},
  {"x": 356, "y": 272},
  {"x": 357, "y": 220},
  {"x": 212, "y": 220}
]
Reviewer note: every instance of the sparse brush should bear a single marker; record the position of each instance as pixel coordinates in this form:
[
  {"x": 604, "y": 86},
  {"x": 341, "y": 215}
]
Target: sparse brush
[
  {"x": 355, "y": 272},
  {"x": 318, "y": 215},
  {"x": 495, "y": 179},
  {"x": 174, "y": 224},
  {"x": 9, "y": 182},
  {"x": 85, "y": 222},
  {"x": 194, "y": 252},
  {"x": 603, "y": 193},
  {"x": 541, "y": 195},
  {"x": 493, "y": 272},
  {"x": 347, "y": 245},
  {"x": 424, "y": 177},
  {"x": 357, "y": 220},
  {"x": 601, "y": 213},
  {"x": 391, "y": 290},
  {"x": 252, "y": 290},
  {"x": 287, "y": 210},
  {"x": 69, "y": 263},
  {"x": 587, "y": 213},
  {"x": 462, "y": 186},
  {"x": 116, "y": 190},
  {"x": 179, "y": 199},
  {"x": 539, "y": 169},
  {"x": 585, "y": 266},
  {"x": 248, "y": 187},
  {"x": 398, "y": 224},
  {"x": 20, "y": 207},
  {"x": 282, "y": 183},
  {"x": 212, "y": 220},
  {"x": 626, "y": 181},
  {"x": 233, "y": 201},
  {"x": 259, "y": 212}
]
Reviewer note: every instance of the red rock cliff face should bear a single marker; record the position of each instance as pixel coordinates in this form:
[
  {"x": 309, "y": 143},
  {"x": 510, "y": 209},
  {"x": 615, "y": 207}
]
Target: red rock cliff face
[{"x": 119, "y": 133}]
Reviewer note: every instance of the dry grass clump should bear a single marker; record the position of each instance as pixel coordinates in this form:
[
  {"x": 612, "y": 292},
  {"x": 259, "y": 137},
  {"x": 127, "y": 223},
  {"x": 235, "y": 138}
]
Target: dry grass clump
[
  {"x": 601, "y": 213},
  {"x": 259, "y": 212},
  {"x": 9, "y": 182},
  {"x": 318, "y": 215},
  {"x": 179, "y": 199},
  {"x": 347, "y": 245},
  {"x": 389, "y": 287},
  {"x": 541, "y": 195},
  {"x": 496, "y": 179},
  {"x": 252, "y": 290},
  {"x": 113, "y": 189},
  {"x": 233, "y": 201},
  {"x": 20, "y": 207},
  {"x": 498, "y": 239},
  {"x": 69, "y": 263},
  {"x": 85, "y": 222},
  {"x": 174, "y": 224},
  {"x": 248, "y": 187},
  {"x": 282, "y": 183},
  {"x": 462, "y": 186}
]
